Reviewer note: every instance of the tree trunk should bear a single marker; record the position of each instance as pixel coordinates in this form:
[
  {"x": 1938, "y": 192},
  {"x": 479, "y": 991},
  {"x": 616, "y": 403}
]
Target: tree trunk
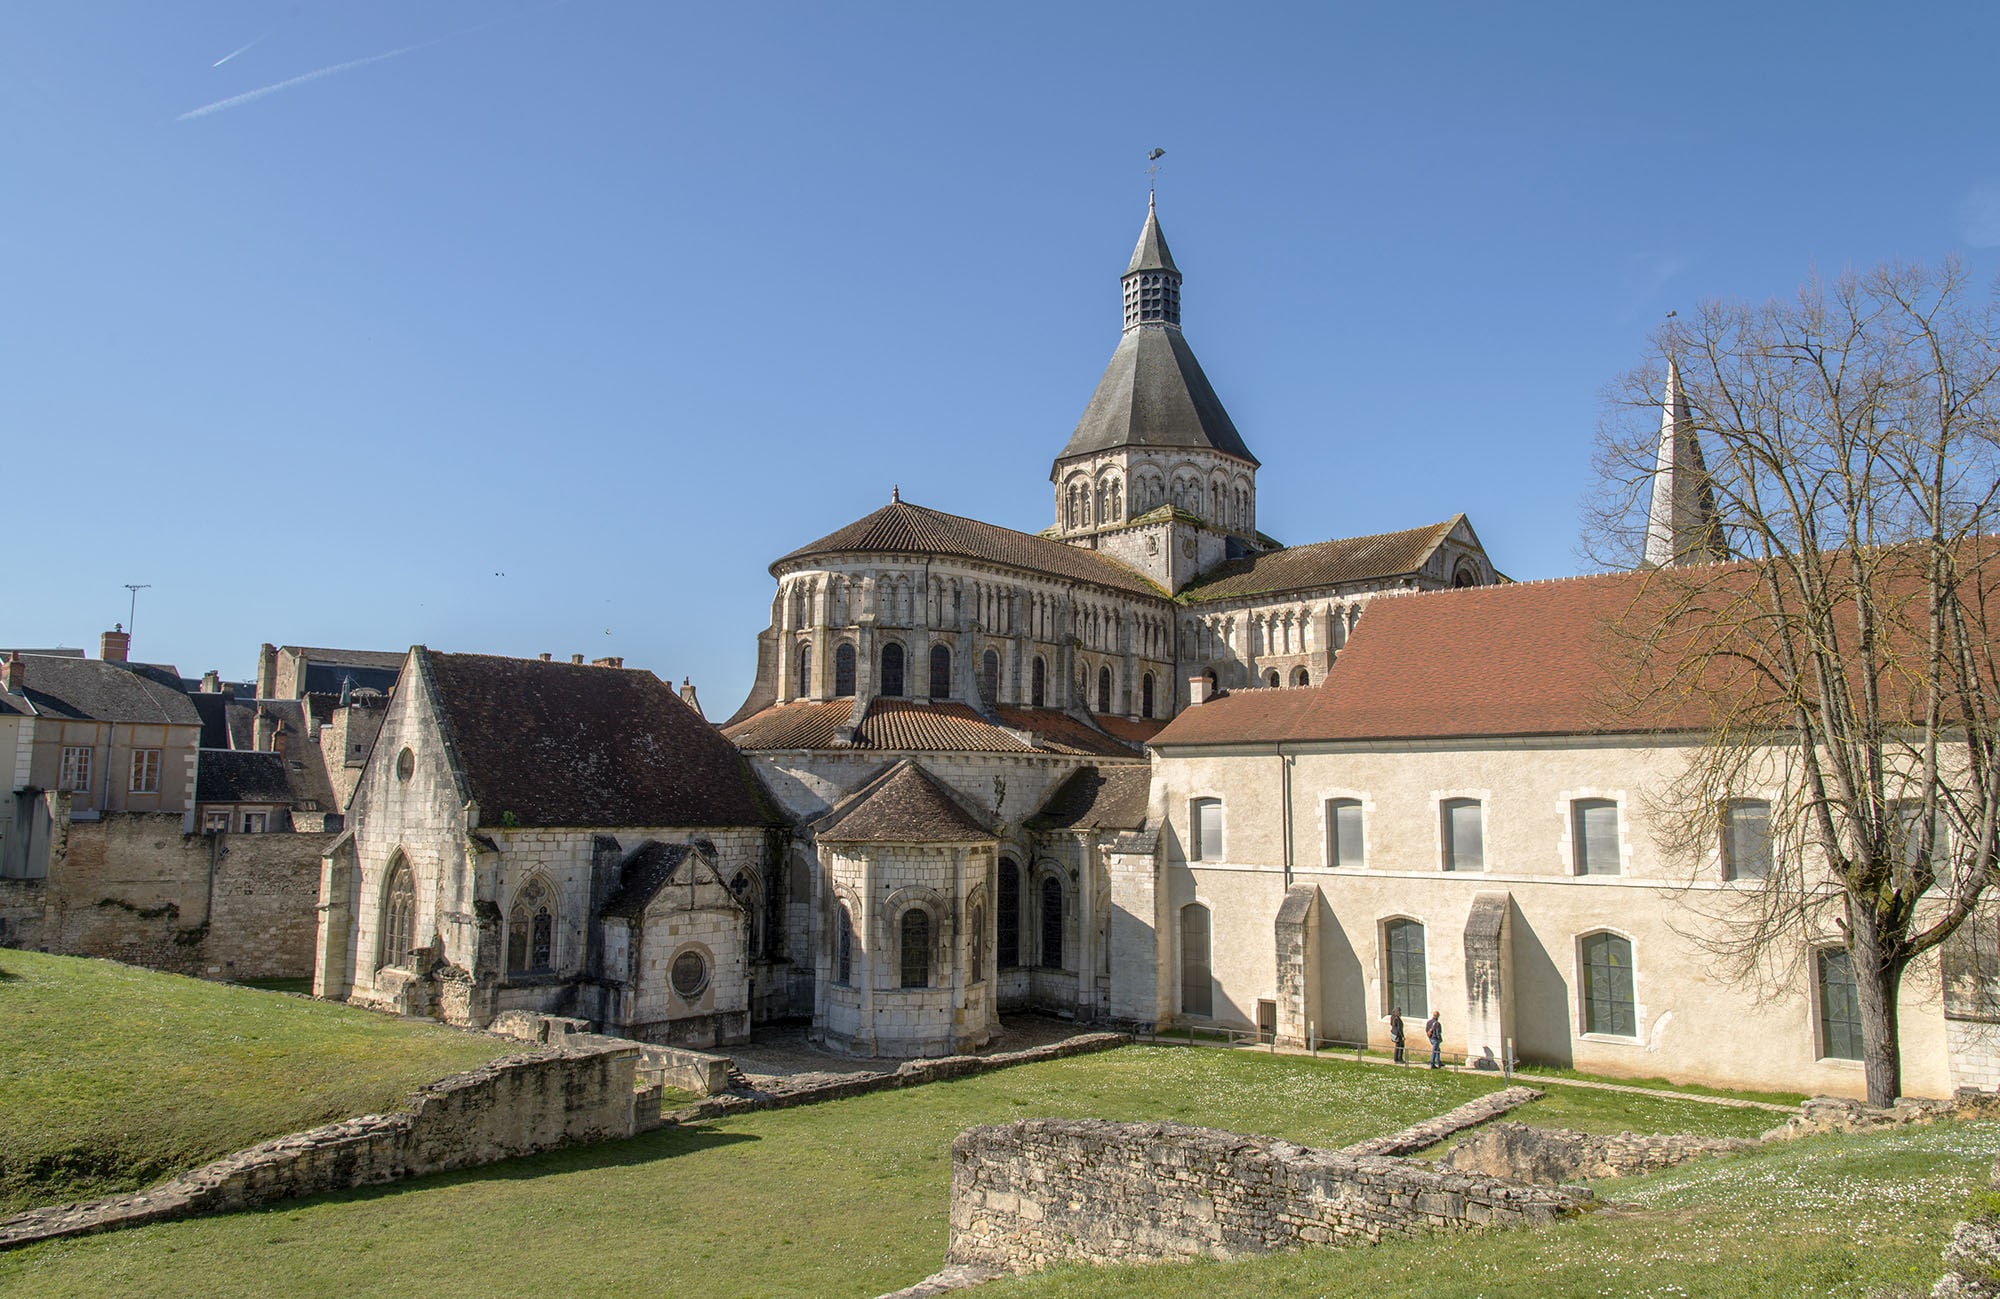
[{"x": 1877, "y": 980}]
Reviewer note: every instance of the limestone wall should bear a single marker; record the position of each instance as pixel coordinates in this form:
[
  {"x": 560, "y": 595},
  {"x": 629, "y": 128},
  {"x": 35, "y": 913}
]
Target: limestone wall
[
  {"x": 1558, "y": 1155},
  {"x": 132, "y": 887},
  {"x": 1043, "y": 1191},
  {"x": 515, "y": 1106}
]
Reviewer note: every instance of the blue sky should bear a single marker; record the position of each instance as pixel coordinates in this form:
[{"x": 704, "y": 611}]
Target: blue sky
[{"x": 514, "y": 327}]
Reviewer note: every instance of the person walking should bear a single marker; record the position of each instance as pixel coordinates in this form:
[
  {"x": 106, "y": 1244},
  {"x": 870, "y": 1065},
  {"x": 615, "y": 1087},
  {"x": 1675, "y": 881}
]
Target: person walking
[
  {"x": 1435, "y": 1032},
  {"x": 1396, "y": 1031}
]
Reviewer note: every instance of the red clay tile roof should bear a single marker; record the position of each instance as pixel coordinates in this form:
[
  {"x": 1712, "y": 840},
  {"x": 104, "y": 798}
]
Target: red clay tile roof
[
  {"x": 1139, "y": 732},
  {"x": 1094, "y": 798},
  {"x": 1527, "y": 659},
  {"x": 901, "y": 528},
  {"x": 903, "y": 724},
  {"x": 1057, "y": 732},
  {"x": 1325, "y": 563},
  {"x": 563, "y": 744},
  {"x": 904, "y": 804}
]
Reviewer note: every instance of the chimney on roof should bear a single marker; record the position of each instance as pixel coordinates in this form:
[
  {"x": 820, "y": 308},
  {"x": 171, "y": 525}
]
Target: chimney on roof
[
  {"x": 610, "y": 661},
  {"x": 1197, "y": 690},
  {"x": 17, "y": 672},
  {"x": 267, "y": 671},
  {"x": 115, "y": 644},
  {"x": 687, "y": 697},
  {"x": 546, "y": 657},
  {"x": 576, "y": 658},
  {"x": 211, "y": 682},
  {"x": 263, "y": 731}
]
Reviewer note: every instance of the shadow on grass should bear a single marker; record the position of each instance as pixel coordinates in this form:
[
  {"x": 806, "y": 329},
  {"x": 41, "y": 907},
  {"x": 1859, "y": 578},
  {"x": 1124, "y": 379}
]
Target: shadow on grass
[{"x": 7, "y": 975}]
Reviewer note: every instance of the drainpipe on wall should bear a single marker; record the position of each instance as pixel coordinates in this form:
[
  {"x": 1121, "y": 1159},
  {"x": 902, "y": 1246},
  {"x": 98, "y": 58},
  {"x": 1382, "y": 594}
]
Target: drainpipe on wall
[{"x": 1285, "y": 761}]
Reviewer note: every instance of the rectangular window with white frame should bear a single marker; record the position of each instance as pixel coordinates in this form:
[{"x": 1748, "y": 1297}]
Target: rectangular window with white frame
[
  {"x": 1205, "y": 829},
  {"x": 1610, "y": 1006},
  {"x": 1594, "y": 836},
  {"x": 1464, "y": 827},
  {"x": 1343, "y": 832},
  {"x": 215, "y": 821},
  {"x": 75, "y": 777},
  {"x": 1746, "y": 839},
  {"x": 145, "y": 771},
  {"x": 255, "y": 822}
]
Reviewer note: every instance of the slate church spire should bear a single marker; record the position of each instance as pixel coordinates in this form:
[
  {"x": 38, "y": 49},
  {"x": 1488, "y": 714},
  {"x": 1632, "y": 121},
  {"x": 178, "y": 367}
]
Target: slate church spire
[
  {"x": 1683, "y": 525},
  {"x": 1152, "y": 282}
]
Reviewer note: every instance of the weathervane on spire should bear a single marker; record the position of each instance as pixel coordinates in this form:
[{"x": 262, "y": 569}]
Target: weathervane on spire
[{"x": 1153, "y": 171}]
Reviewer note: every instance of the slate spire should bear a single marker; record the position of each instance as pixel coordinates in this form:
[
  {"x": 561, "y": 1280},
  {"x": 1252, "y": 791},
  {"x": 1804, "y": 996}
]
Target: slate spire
[
  {"x": 1683, "y": 525},
  {"x": 1152, "y": 283}
]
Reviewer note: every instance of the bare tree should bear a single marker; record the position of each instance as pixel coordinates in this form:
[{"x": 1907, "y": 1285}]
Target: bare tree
[{"x": 1826, "y": 624}]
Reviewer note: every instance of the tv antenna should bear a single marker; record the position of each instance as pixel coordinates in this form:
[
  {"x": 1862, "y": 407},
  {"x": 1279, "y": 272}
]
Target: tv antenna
[{"x": 132, "y": 617}]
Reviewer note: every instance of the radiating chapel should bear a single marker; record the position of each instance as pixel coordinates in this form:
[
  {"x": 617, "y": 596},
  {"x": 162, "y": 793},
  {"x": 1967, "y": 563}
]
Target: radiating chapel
[{"x": 955, "y": 712}]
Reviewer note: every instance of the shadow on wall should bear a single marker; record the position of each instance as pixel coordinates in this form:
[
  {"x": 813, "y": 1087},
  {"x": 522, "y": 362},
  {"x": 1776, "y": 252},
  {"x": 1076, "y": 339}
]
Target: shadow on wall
[
  {"x": 1343, "y": 988},
  {"x": 1541, "y": 998}
]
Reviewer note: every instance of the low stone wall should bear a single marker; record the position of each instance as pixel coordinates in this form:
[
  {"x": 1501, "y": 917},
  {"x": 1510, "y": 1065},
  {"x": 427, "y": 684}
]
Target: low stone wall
[
  {"x": 516, "y": 1106},
  {"x": 1043, "y": 1191},
  {"x": 1559, "y": 1155},
  {"x": 695, "y": 1072},
  {"x": 1422, "y": 1136},
  {"x": 913, "y": 1074}
]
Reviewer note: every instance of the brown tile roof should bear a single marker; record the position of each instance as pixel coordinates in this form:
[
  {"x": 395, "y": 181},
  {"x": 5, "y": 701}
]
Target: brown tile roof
[
  {"x": 1098, "y": 798},
  {"x": 1533, "y": 658},
  {"x": 1325, "y": 563},
  {"x": 1057, "y": 732},
  {"x": 904, "y": 804},
  {"x": 903, "y": 724},
  {"x": 901, "y": 528},
  {"x": 1139, "y": 732},
  {"x": 562, "y": 744}
]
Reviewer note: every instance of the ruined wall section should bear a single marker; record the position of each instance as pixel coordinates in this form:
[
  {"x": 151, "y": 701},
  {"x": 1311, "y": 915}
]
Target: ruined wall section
[{"x": 1044, "y": 1191}]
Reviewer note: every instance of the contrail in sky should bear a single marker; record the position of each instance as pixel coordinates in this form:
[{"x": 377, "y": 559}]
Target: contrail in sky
[
  {"x": 233, "y": 53},
  {"x": 251, "y": 96}
]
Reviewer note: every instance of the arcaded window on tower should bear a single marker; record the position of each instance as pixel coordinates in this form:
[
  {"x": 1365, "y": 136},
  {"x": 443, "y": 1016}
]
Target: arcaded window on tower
[
  {"x": 1146, "y": 695},
  {"x": 843, "y": 671},
  {"x": 1104, "y": 690},
  {"x": 1038, "y": 694},
  {"x": 940, "y": 672},
  {"x": 805, "y": 670},
  {"x": 892, "y": 671},
  {"x": 989, "y": 677}
]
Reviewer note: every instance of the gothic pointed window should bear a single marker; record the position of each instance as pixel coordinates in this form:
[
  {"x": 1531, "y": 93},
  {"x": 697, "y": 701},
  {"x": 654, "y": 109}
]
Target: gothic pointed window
[
  {"x": 531, "y": 930},
  {"x": 805, "y": 671},
  {"x": 989, "y": 677},
  {"x": 1038, "y": 694},
  {"x": 399, "y": 915},
  {"x": 843, "y": 671},
  {"x": 940, "y": 672},
  {"x": 1104, "y": 690},
  {"x": 892, "y": 671},
  {"x": 1146, "y": 695}
]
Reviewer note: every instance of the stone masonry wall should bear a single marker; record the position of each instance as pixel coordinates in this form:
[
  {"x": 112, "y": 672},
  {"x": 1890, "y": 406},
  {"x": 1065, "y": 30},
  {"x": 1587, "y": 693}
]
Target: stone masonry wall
[
  {"x": 1558, "y": 1155},
  {"x": 1042, "y": 1191},
  {"x": 514, "y": 1106},
  {"x": 132, "y": 887}
]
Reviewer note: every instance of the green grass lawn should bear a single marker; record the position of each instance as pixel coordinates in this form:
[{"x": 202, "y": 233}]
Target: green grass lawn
[
  {"x": 112, "y": 1077},
  {"x": 846, "y": 1198}
]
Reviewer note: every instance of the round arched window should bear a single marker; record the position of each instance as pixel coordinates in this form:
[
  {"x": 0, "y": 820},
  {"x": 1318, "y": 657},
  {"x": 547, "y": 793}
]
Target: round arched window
[
  {"x": 406, "y": 764},
  {"x": 689, "y": 974}
]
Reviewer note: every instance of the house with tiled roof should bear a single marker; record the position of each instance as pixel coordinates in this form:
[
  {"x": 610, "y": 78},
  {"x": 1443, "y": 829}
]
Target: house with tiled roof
[
  {"x": 1469, "y": 817},
  {"x": 1006, "y": 663},
  {"x": 560, "y": 838}
]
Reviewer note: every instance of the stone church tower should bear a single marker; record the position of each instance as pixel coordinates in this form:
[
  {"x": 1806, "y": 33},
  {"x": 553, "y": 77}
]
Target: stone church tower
[
  {"x": 1156, "y": 475},
  {"x": 1682, "y": 526}
]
